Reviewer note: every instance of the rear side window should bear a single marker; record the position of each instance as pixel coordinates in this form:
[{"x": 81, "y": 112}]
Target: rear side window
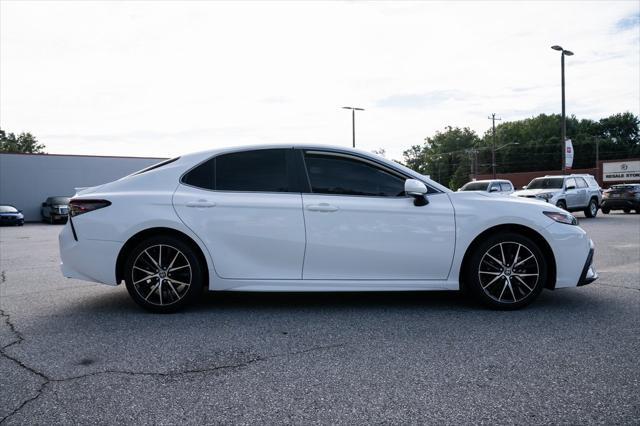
[
  {"x": 581, "y": 183},
  {"x": 506, "y": 186},
  {"x": 202, "y": 176},
  {"x": 335, "y": 174},
  {"x": 261, "y": 170}
]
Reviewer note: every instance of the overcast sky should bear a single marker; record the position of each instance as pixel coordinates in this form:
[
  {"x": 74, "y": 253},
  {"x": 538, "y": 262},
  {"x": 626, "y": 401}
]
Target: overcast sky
[{"x": 160, "y": 78}]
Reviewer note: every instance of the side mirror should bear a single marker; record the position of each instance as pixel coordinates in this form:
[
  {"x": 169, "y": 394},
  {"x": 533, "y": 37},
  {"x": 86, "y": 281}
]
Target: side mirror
[
  {"x": 571, "y": 187},
  {"x": 416, "y": 189},
  {"x": 524, "y": 187}
]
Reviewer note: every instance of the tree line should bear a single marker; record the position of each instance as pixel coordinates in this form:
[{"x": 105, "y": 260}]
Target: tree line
[
  {"x": 454, "y": 154},
  {"x": 22, "y": 143}
]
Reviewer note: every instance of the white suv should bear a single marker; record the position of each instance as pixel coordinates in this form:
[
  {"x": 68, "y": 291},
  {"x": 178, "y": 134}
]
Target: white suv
[{"x": 569, "y": 192}]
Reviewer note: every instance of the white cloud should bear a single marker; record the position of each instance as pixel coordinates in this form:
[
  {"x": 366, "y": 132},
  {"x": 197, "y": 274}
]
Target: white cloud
[{"x": 161, "y": 78}]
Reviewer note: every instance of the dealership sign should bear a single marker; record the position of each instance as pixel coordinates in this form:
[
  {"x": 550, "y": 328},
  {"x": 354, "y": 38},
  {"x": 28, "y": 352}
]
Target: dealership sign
[
  {"x": 621, "y": 171},
  {"x": 568, "y": 154}
]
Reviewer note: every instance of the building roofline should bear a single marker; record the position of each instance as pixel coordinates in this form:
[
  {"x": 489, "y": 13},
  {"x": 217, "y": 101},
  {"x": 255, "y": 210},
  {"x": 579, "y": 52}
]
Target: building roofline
[{"x": 83, "y": 155}]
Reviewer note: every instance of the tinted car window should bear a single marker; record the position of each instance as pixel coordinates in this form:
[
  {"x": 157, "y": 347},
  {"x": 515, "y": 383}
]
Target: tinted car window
[
  {"x": 475, "y": 186},
  {"x": 202, "y": 176},
  {"x": 506, "y": 186},
  {"x": 58, "y": 200},
  {"x": 333, "y": 174},
  {"x": 545, "y": 183},
  {"x": 261, "y": 170}
]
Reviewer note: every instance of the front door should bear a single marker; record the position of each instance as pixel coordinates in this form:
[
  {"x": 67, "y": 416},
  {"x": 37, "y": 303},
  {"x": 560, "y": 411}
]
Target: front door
[{"x": 361, "y": 226}]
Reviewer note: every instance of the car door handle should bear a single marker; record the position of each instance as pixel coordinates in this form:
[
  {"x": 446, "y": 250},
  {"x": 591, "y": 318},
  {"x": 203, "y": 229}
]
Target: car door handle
[
  {"x": 201, "y": 203},
  {"x": 322, "y": 207}
]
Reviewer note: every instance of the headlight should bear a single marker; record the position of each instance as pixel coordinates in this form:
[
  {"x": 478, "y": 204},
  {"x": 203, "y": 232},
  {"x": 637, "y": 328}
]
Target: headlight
[
  {"x": 546, "y": 195},
  {"x": 562, "y": 217}
]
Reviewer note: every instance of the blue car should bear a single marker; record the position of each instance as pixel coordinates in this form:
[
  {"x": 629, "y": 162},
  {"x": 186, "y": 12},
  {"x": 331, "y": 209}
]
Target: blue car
[{"x": 9, "y": 215}]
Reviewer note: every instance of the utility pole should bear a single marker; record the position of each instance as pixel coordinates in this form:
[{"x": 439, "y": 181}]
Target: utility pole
[
  {"x": 353, "y": 122},
  {"x": 493, "y": 144}
]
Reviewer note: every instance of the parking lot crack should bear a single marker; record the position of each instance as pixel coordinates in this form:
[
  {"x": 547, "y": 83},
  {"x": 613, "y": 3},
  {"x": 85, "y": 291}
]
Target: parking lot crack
[{"x": 200, "y": 370}]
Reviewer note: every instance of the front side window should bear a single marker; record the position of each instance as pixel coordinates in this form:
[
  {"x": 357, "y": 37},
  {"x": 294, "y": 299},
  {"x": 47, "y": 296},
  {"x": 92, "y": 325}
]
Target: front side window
[
  {"x": 495, "y": 187},
  {"x": 345, "y": 175},
  {"x": 570, "y": 182},
  {"x": 506, "y": 186}
]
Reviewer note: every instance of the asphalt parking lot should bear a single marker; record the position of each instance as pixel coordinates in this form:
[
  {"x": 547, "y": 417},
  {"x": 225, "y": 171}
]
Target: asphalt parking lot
[{"x": 76, "y": 352}]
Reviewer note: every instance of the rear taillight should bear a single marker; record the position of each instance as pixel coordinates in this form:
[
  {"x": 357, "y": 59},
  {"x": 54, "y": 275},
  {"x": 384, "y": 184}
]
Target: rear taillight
[{"x": 78, "y": 207}]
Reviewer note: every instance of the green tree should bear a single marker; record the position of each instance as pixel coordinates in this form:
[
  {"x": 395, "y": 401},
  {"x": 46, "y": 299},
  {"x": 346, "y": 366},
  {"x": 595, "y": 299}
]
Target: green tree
[
  {"x": 444, "y": 156},
  {"x": 24, "y": 143}
]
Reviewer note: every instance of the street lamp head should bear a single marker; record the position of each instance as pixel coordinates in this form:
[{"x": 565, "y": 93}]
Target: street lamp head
[
  {"x": 359, "y": 109},
  {"x": 346, "y": 107},
  {"x": 556, "y": 47},
  {"x": 568, "y": 52}
]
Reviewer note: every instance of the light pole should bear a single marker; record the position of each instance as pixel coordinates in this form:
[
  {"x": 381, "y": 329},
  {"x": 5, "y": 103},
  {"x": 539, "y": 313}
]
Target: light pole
[
  {"x": 353, "y": 121},
  {"x": 564, "y": 117}
]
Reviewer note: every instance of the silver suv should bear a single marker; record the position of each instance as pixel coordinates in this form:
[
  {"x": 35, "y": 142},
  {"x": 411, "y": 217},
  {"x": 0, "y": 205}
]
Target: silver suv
[{"x": 570, "y": 192}]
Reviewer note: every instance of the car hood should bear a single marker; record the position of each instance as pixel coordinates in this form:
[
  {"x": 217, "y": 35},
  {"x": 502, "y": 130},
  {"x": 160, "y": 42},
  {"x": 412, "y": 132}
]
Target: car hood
[
  {"x": 17, "y": 214},
  {"x": 533, "y": 192},
  {"x": 501, "y": 204}
]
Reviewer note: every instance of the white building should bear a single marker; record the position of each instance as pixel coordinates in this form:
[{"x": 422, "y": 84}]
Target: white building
[{"x": 26, "y": 180}]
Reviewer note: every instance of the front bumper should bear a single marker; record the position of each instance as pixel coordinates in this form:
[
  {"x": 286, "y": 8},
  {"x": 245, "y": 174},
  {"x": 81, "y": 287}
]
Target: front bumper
[
  {"x": 589, "y": 273},
  {"x": 620, "y": 203}
]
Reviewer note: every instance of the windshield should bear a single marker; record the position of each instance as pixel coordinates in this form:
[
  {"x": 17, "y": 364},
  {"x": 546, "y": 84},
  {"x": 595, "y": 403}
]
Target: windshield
[
  {"x": 59, "y": 200},
  {"x": 8, "y": 209},
  {"x": 546, "y": 183},
  {"x": 475, "y": 186}
]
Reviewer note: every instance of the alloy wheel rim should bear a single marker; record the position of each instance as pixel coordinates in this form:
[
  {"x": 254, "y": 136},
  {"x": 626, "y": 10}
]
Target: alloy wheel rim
[
  {"x": 161, "y": 275},
  {"x": 593, "y": 207},
  {"x": 508, "y": 272}
]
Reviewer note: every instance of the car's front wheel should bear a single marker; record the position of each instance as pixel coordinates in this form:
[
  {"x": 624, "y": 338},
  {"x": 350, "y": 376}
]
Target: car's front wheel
[
  {"x": 163, "y": 274},
  {"x": 562, "y": 204},
  {"x": 507, "y": 271}
]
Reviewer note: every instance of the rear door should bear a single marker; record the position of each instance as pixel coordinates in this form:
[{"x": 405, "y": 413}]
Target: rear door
[
  {"x": 583, "y": 192},
  {"x": 571, "y": 192},
  {"x": 246, "y": 208}
]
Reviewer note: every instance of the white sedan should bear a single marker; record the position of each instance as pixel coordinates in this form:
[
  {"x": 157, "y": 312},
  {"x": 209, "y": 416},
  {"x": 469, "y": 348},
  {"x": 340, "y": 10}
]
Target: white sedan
[{"x": 301, "y": 218}]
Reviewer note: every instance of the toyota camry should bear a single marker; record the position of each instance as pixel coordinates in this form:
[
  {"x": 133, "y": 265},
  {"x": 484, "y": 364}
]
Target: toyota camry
[{"x": 314, "y": 218}]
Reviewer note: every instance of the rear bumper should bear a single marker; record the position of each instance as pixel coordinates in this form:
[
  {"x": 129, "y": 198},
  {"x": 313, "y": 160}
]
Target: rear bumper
[
  {"x": 88, "y": 260},
  {"x": 589, "y": 273}
]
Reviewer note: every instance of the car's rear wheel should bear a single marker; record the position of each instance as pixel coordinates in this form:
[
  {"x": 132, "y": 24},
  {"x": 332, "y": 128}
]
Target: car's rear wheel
[
  {"x": 561, "y": 204},
  {"x": 592, "y": 208},
  {"x": 605, "y": 210},
  {"x": 626, "y": 210},
  {"x": 163, "y": 274},
  {"x": 507, "y": 271}
]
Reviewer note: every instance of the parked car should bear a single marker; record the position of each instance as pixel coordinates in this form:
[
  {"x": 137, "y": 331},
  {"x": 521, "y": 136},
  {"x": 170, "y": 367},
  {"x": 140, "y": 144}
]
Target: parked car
[
  {"x": 500, "y": 186},
  {"x": 282, "y": 218},
  {"x": 9, "y": 215},
  {"x": 55, "y": 209},
  {"x": 625, "y": 197},
  {"x": 569, "y": 192}
]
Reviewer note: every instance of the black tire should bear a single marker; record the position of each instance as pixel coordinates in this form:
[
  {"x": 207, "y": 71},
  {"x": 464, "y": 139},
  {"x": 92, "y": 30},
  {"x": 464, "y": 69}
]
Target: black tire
[
  {"x": 562, "y": 204},
  {"x": 487, "y": 280},
  {"x": 171, "y": 294},
  {"x": 605, "y": 210},
  {"x": 627, "y": 211},
  {"x": 592, "y": 208}
]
